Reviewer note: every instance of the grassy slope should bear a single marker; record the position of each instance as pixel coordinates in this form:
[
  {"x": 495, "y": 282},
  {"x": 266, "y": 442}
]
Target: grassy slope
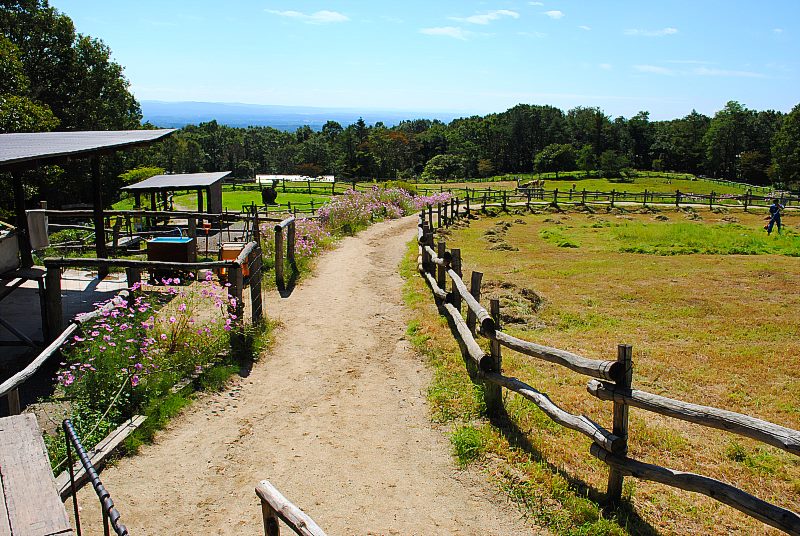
[{"x": 705, "y": 328}]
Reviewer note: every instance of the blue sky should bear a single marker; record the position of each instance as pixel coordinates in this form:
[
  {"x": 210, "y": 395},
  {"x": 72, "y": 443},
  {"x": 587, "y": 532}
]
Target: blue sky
[{"x": 667, "y": 57}]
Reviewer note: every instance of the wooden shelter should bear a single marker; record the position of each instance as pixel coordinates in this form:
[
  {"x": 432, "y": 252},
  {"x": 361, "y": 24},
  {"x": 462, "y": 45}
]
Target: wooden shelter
[
  {"x": 24, "y": 151},
  {"x": 210, "y": 183}
]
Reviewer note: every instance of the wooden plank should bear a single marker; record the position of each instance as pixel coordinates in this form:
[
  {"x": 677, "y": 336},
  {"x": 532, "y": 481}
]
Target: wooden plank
[
  {"x": 98, "y": 456},
  {"x": 298, "y": 521},
  {"x": 32, "y": 503},
  {"x": 22, "y": 376}
]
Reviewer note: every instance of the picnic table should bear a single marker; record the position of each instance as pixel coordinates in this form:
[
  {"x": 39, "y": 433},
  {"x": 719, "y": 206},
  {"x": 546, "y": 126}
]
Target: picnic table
[{"x": 30, "y": 504}]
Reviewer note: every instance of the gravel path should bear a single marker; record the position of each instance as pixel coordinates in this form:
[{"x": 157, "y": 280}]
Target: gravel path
[{"x": 335, "y": 417}]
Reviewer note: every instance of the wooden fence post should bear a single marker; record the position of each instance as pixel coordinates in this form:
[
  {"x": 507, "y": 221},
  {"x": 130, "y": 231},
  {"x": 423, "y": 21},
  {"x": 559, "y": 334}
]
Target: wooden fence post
[
  {"x": 14, "y": 406},
  {"x": 52, "y": 286},
  {"x": 455, "y": 264},
  {"x": 711, "y": 200},
  {"x": 279, "y": 256},
  {"x": 555, "y": 197},
  {"x": 441, "y": 271},
  {"x": 290, "y": 245},
  {"x": 644, "y": 203},
  {"x": 484, "y": 202},
  {"x": 466, "y": 201},
  {"x": 493, "y": 393},
  {"x": 677, "y": 198},
  {"x": 583, "y": 197},
  {"x": 191, "y": 227},
  {"x": 475, "y": 290},
  {"x": 133, "y": 275},
  {"x": 438, "y": 215},
  {"x": 746, "y": 199},
  {"x": 613, "y": 195},
  {"x": 270, "y": 516},
  {"x": 615, "y": 477},
  {"x": 256, "y": 302},
  {"x": 430, "y": 217}
]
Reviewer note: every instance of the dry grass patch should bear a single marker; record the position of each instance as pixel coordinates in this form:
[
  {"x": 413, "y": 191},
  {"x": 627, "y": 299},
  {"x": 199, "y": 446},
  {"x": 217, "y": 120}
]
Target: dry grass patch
[{"x": 710, "y": 328}]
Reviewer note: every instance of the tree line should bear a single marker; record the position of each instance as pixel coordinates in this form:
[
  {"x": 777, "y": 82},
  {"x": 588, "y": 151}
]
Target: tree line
[{"x": 737, "y": 143}]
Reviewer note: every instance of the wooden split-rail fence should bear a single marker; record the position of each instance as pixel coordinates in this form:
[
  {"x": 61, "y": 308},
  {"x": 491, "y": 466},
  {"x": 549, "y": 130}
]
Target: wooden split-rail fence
[{"x": 611, "y": 381}]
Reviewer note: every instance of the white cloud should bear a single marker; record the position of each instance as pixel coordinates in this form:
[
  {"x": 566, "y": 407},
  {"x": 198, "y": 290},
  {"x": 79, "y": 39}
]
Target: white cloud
[
  {"x": 536, "y": 3},
  {"x": 584, "y": 27},
  {"x": 654, "y": 69},
  {"x": 705, "y": 71},
  {"x": 486, "y": 18},
  {"x": 554, "y": 14},
  {"x": 652, "y": 33},
  {"x": 446, "y": 31},
  {"x": 605, "y": 66},
  {"x": 777, "y": 30},
  {"x": 318, "y": 17}
]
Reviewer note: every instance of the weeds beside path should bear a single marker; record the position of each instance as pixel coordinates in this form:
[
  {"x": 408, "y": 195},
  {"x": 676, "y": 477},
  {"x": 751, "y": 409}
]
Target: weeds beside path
[{"x": 335, "y": 416}]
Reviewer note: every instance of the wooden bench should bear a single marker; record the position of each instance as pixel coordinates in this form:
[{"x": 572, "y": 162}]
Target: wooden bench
[{"x": 30, "y": 504}]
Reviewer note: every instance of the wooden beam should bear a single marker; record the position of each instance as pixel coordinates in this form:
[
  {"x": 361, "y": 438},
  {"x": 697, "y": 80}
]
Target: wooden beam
[
  {"x": 737, "y": 423},
  {"x": 99, "y": 221},
  {"x": 772, "y": 515},
  {"x": 295, "y": 518},
  {"x": 23, "y": 233}
]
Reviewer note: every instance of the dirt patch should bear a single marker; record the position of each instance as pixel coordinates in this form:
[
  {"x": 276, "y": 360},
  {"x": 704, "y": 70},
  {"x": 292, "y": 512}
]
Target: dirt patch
[
  {"x": 496, "y": 235},
  {"x": 518, "y": 305}
]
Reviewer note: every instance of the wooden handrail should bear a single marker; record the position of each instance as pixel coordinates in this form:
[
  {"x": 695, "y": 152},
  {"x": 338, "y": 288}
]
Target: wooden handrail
[
  {"x": 129, "y": 263},
  {"x": 284, "y": 223},
  {"x": 22, "y": 376},
  {"x": 737, "y": 423},
  {"x": 484, "y": 319},
  {"x": 274, "y": 505}
]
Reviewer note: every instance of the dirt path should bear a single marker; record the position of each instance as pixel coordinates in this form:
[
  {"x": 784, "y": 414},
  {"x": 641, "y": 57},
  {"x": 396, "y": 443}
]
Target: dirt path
[{"x": 335, "y": 417}]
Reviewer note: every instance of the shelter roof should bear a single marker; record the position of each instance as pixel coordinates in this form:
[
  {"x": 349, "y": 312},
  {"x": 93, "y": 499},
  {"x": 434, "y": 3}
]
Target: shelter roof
[
  {"x": 39, "y": 147},
  {"x": 179, "y": 181}
]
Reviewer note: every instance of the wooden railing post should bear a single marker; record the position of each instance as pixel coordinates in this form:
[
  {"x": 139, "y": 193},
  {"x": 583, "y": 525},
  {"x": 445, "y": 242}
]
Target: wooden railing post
[
  {"x": 613, "y": 195},
  {"x": 475, "y": 290},
  {"x": 455, "y": 264},
  {"x": 505, "y": 199},
  {"x": 271, "y": 526},
  {"x": 256, "y": 302},
  {"x": 555, "y": 197},
  {"x": 430, "y": 217},
  {"x": 133, "y": 275},
  {"x": 52, "y": 286},
  {"x": 290, "y": 245},
  {"x": 441, "y": 271},
  {"x": 279, "y": 256},
  {"x": 677, "y": 197},
  {"x": 438, "y": 215},
  {"x": 191, "y": 227},
  {"x": 14, "y": 406},
  {"x": 615, "y": 477},
  {"x": 493, "y": 393}
]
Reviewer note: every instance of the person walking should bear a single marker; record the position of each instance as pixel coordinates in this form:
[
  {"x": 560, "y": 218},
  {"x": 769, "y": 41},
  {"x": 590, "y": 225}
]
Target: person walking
[{"x": 774, "y": 216}]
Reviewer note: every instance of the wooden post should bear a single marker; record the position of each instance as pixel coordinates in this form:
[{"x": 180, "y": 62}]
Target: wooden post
[
  {"x": 711, "y": 200},
  {"x": 52, "y": 281},
  {"x": 746, "y": 199},
  {"x": 677, "y": 197},
  {"x": 290, "y": 242},
  {"x": 456, "y": 265},
  {"x": 271, "y": 526},
  {"x": 438, "y": 215},
  {"x": 493, "y": 393},
  {"x": 475, "y": 290},
  {"x": 200, "y": 203},
  {"x": 644, "y": 203},
  {"x": 615, "y": 477},
  {"x": 133, "y": 275},
  {"x": 484, "y": 201},
  {"x": 466, "y": 201},
  {"x": 235, "y": 290},
  {"x": 430, "y": 217},
  {"x": 99, "y": 223},
  {"x": 23, "y": 234},
  {"x": 279, "y": 256},
  {"x": 14, "y": 406},
  {"x": 555, "y": 197},
  {"x": 583, "y": 197},
  {"x": 308, "y": 184},
  {"x": 528, "y": 198},
  {"x": 613, "y": 194},
  {"x": 441, "y": 271},
  {"x": 115, "y": 235},
  {"x": 256, "y": 302},
  {"x": 191, "y": 227},
  {"x": 505, "y": 199}
]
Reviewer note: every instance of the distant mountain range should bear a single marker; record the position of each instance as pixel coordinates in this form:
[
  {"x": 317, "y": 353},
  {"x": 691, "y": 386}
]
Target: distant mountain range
[{"x": 289, "y": 118}]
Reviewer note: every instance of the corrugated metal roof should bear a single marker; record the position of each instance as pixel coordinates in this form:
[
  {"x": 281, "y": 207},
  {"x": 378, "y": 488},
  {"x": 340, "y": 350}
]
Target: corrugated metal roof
[
  {"x": 179, "y": 181},
  {"x": 41, "y": 146}
]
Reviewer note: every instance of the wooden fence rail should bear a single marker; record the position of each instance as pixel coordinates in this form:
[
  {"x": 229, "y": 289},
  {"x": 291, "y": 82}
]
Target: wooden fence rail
[
  {"x": 612, "y": 383},
  {"x": 275, "y": 507}
]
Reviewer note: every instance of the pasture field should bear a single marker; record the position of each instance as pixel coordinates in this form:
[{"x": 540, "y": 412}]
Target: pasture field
[
  {"x": 709, "y": 303},
  {"x": 231, "y": 200}
]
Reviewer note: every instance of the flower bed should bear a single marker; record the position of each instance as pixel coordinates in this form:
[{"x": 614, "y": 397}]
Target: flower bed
[{"x": 137, "y": 349}]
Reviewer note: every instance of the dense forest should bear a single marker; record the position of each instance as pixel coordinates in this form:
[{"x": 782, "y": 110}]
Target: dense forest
[{"x": 54, "y": 78}]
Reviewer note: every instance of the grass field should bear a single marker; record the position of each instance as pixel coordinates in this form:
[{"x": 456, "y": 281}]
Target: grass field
[
  {"x": 233, "y": 200},
  {"x": 706, "y": 327}
]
